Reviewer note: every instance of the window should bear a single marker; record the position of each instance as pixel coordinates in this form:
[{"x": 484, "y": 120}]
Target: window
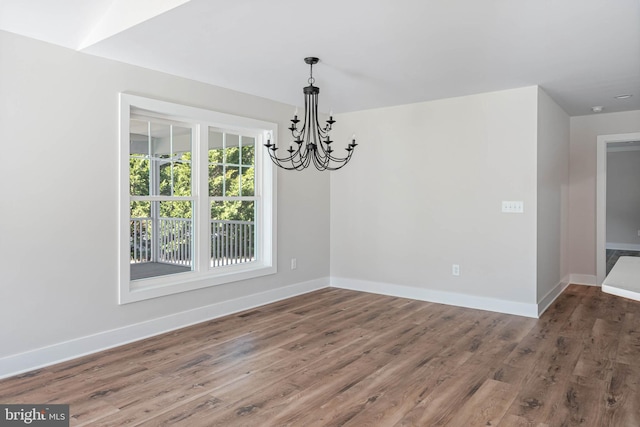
[
  {"x": 232, "y": 197},
  {"x": 197, "y": 202},
  {"x": 161, "y": 197}
]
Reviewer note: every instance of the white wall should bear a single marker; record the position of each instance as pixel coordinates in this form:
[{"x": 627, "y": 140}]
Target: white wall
[
  {"x": 553, "y": 197},
  {"x": 424, "y": 191},
  {"x": 582, "y": 183},
  {"x": 623, "y": 200},
  {"x": 58, "y": 212}
]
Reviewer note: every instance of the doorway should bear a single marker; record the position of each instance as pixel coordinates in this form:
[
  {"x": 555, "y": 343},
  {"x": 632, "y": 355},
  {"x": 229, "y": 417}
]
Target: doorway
[{"x": 605, "y": 144}]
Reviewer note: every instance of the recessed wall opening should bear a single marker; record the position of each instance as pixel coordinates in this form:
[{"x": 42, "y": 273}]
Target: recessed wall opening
[{"x": 618, "y": 214}]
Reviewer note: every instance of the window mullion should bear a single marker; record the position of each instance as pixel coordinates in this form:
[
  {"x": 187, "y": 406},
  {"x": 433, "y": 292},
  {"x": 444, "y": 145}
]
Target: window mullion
[
  {"x": 203, "y": 225},
  {"x": 224, "y": 163},
  {"x": 171, "y": 159}
]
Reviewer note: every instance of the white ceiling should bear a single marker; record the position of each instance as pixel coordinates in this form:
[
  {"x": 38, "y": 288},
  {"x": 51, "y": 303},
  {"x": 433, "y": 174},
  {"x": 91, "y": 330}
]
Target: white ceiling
[{"x": 373, "y": 53}]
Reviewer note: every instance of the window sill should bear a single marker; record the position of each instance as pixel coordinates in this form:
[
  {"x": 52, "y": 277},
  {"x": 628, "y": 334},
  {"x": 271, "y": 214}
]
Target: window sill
[{"x": 143, "y": 289}]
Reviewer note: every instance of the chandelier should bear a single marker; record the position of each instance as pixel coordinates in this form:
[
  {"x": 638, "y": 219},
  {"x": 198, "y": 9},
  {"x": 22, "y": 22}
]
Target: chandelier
[{"x": 312, "y": 142}]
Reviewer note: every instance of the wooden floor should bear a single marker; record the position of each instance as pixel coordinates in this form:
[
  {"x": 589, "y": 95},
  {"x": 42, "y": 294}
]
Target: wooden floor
[{"x": 337, "y": 357}]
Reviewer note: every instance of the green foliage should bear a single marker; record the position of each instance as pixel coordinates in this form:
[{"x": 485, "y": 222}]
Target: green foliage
[
  {"x": 233, "y": 210},
  {"x": 139, "y": 186},
  {"x": 231, "y": 174},
  {"x": 228, "y": 177},
  {"x": 175, "y": 180},
  {"x": 138, "y": 176}
]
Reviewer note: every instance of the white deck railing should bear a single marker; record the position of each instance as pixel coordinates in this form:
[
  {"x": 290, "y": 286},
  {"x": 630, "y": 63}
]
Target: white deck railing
[
  {"x": 174, "y": 241},
  {"x": 232, "y": 242},
  {"x": 140, "y": 230}
]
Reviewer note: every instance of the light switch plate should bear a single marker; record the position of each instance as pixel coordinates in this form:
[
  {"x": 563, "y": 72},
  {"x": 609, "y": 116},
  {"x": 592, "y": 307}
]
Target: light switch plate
[{"x": 512, "y": 206}]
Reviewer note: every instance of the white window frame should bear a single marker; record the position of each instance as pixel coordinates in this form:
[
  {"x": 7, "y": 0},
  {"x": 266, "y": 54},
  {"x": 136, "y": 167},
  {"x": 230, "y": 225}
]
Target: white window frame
[{"x": 265, "y": 187}]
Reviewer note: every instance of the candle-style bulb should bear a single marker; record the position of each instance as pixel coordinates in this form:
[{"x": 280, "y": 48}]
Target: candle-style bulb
[
  {"x": 330, "y": 113},
  {"x": 295, "y": 113}
]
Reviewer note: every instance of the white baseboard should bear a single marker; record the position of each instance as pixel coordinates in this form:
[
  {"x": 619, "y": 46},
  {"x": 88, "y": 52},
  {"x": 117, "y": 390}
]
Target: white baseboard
[
  {"x": 45, "y": 356},
  {"x": 623, "y": 246},
  {"x": 441, "y": 297},
  {"x": 551, "y": 296},
  {"x": 583, "y": 279}
]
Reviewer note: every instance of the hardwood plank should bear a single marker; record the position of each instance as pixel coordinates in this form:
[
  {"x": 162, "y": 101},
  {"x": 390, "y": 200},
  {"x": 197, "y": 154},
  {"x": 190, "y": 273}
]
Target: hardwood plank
[
  {"x": 193, "y": 413},
  {"x": 515, "y": 421},
  {"x": 438, "y": 407},
  {"x": 312, "y": 382},
  {"x": 579, "y": 323},
  {"x": 487, "y": 406},
  {"x": 599, "y": 351},
  {"x": 289, "y": 364},
  {"x": 388, "y": 402},
  {"x": 546, "y": 383},
  {"x": 629, "y": 340},
  {"x": 608, "y": 307},
  {"x": 347, "y": 405},
  {"x": 622, "y": 398}
]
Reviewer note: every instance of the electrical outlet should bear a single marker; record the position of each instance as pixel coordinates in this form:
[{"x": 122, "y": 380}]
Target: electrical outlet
[
  {"x": 294, "y": 264},
  {"x": 514, "y": 206},
  {"x": 455, "y": 269}
]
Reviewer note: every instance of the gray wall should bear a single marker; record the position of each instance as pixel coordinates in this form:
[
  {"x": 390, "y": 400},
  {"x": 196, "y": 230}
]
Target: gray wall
[
  {"x": 553, "y": 195},
  {"x": 424, "y": 191},
  {"x": 623, "y": 199},
  {"x": 59, "y": 216}
]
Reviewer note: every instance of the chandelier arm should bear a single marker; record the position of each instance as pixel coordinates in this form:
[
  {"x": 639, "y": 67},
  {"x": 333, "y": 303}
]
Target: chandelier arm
[
  {"x": 296, "y": 133},
  {"x": 343, "y": 162},
  {"x": 301, "y": 153},
  {"x": 329, "y": 157},
  {"x": 281, "y": 165},
  {"x": 333, "y": 163},
  {"x": 319, "y": 163},
  {"x": 350, "y": 149},
  {"x": 319, "y": 166},
  {"x": 279, "y": 162},
  {"x": 282, "y": 162},
  {"x": 339, "y": 159},
  {"x": 322, "y": 132},
  {"x": 326, "y": 154},
  {"x": 297, "y": 158}
]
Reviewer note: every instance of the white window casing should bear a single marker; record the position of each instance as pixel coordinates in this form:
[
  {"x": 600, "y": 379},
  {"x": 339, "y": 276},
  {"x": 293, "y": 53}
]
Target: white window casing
[{"x": 201, "y": 274}]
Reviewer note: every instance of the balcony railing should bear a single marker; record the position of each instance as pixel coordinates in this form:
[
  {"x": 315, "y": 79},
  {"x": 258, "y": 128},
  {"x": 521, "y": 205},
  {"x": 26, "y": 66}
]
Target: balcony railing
[
  {"x": 174, "y": 241},
  {"x": 140, "y": 239},
  {"x": 232, "y": 242}
]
